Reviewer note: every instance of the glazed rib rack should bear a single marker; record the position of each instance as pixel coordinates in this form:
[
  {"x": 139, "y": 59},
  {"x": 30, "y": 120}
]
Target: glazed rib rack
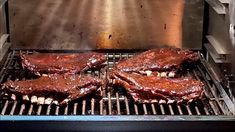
[{"x": 114, "y": 100}]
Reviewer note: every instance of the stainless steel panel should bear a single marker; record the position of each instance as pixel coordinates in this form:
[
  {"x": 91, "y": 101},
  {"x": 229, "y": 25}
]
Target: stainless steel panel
[
  {"x": 106, "y": 24},
  {"x": 232, "y": 37},
  {"x": 219, "y": 29}
]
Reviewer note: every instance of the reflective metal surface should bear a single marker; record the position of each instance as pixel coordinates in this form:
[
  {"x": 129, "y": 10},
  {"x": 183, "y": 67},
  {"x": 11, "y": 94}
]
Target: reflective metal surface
[
  {"x": 106, "y": 24},
  {"x": 232, "y": 37}
]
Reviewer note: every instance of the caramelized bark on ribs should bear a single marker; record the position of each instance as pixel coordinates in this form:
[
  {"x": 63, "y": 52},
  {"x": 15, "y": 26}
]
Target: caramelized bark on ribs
[
  {"x": 163, "y": 59},
  {"x": 47, "y": 63},
  {"x": 63, "y": 88},
  {"x": 149, "y": 89}
]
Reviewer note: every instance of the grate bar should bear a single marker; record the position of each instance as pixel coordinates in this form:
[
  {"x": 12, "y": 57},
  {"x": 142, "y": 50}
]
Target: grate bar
[
  {"x": 212, "y": 91},
  {"x": 145, "y": 109},
  {"x": 109, "y": 104},
  {"x": 30, "y": 109},
  {"x": 136, "y": 109},
  {"x": 180, "y": 110},
  {"x": 66, "y": 110},
  {"x": 213, "y": 108},
  {"x": 188, "y": 109},
  {"x": 83, "y": 107},
  {"x": 197, "y": 110},
  {"x": 92, "y": 106},
  {"x": 153, "y": 109},
  {"x": 206, "y": 111},
  {"x": 75, "y": 106},
  {"x": 118, "y": 104},
  {"x": 171, "y": 110},
  {"x": 127, "y": 106},
  {"x": 48, "y": 110},
  {"x": 4, "y": 108},
  {"x": 39, "y": 110},
  {"x": 22, "y": 108},
  {"x": 101, "y": 107},
  {"x": 57, "y": 108},
  {"x": 13, "y": 108},
  {"x": 217, "y": 101},
  {"x": 162, "y": 109}
]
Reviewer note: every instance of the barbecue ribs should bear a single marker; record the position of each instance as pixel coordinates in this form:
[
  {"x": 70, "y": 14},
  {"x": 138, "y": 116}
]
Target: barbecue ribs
[
  {"x": 63, "y": 88},
  {"x": 46, "y": 63},
  {"x": 165, "y": 60},
  {"x": 149, "y": 89}
]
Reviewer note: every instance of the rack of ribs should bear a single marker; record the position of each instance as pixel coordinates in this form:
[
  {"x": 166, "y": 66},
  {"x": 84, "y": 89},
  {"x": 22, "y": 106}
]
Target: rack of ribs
[
  {"x": 150, "y": 89},
  {"x": 47, "y": 63},
  {"x": 163, "y": 61},
  {"x": 61, "y": 88}
]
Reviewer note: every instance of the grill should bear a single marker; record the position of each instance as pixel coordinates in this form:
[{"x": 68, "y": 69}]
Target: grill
[
  {"x": 114, "y": 100},
  {"x": 56, "y": 26},
  {"x": 115, "y": 103}
]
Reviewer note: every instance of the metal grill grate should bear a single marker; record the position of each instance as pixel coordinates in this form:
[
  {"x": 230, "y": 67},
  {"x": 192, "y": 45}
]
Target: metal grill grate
[{"x": 114, "y": 100}]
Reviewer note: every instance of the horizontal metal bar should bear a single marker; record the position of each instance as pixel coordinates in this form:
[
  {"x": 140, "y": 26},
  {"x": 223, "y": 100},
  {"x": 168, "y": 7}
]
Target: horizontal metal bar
[
  {"x": 113, "y": 98},
  {"x": 217, "y": 6},
  {"x": 217, "y": 45},
  {"x": 224, "y": 1},
  {"x": 117, "y": 118},
  {"x": 216, "y": 57}
]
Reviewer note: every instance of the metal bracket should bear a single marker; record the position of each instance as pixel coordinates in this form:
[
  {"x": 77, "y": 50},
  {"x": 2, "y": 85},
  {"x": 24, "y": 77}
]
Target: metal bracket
[
  {"x": 218, "y": 6},
  {"x": 224, "y": 1}
]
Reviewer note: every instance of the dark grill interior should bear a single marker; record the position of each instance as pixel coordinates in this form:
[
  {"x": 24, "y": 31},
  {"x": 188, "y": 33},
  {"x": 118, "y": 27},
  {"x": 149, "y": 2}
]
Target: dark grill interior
[{"x": 114, "y": 101}]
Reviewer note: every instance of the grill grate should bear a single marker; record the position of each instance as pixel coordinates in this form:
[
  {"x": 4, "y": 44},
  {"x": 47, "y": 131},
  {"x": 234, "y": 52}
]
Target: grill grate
[{"x": 115, "y": 100}]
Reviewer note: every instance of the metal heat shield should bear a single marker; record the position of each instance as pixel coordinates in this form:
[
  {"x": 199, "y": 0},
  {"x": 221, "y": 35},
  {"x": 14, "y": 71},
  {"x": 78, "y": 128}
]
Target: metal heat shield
[{"x": 106, "y": 24}]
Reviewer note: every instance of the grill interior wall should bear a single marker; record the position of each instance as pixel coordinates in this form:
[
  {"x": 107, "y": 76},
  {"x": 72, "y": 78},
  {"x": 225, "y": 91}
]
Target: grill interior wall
[
  {"x": 115, "y": 100},
  {"x": 112, "y": 24}
]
